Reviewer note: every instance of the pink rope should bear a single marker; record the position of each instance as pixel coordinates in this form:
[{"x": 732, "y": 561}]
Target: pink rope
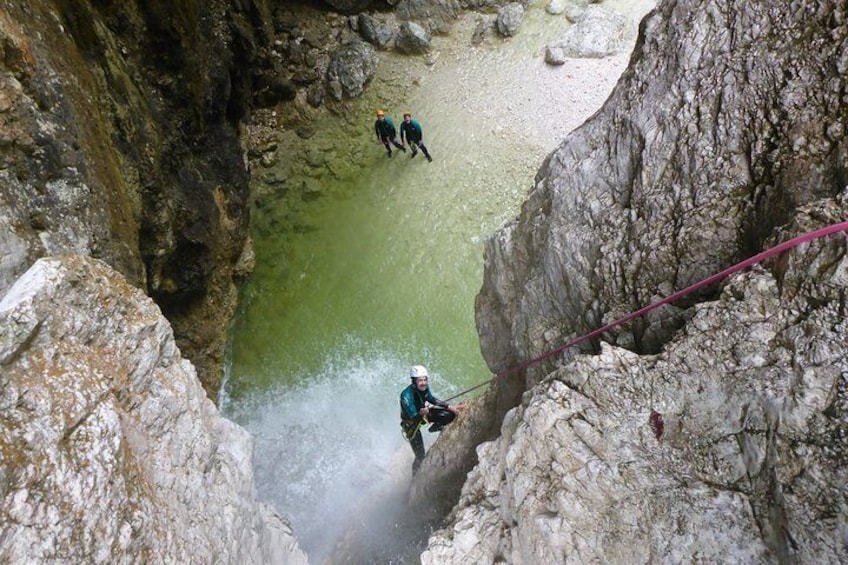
[{"x": 767, "y": 254}]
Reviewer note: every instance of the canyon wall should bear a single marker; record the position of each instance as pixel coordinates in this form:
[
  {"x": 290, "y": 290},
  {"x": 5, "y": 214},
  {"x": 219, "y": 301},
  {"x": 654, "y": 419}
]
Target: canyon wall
[
  {"x": 726, "y": 134},
  {"x": 121, "y": 141}
]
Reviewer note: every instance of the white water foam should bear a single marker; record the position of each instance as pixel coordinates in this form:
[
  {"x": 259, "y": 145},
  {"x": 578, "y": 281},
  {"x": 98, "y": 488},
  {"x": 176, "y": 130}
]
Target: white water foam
[{"x": 329, "y": 453}]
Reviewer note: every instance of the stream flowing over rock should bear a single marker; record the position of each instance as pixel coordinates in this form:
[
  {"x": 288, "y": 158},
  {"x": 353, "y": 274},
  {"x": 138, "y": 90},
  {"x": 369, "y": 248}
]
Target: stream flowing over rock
[
  {"x": 110, "y": 451},
  {"x": 727, "y": 134}
]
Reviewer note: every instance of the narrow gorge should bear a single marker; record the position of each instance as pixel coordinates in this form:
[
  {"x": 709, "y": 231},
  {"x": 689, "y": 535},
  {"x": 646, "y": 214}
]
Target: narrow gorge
[{"x": 213, "y": 281}]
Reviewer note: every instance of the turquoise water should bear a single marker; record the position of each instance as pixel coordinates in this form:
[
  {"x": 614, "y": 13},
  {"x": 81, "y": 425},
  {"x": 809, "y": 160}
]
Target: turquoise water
[{"x": 389, "y": 267}]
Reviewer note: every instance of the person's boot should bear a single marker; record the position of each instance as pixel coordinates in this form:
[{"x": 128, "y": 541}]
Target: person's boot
[
  {"x": 429, "y": 159},
  {"x": 389, "y": 153},
  {"x": 414, "y": 153}
]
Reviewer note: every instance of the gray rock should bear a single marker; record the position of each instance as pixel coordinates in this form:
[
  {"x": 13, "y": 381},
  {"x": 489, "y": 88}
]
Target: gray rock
[
  {"x": 573, "y": 12},
  {"x": 375, "y": 32},
  {"x": 484, "y": 26},
  {"x": 412, "y": 39},
  {"x": 751, "y": 449},
  {"x": 555, "y": 7},
  {"x": 435, "y": 12},
  {"x": 350, "y": 69},
  {"x": 272, "y": 87},
  {"x": 555, "y": 56},
  {"x": 112, "y": 453},
  {"x": 509, "y": 19},
  {"x": 598, "y": 32}
]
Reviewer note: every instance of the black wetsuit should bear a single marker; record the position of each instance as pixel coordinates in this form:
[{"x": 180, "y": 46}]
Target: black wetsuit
[
  {"x": 411, "y": 132},
  {"x": 386, "y": 133}
]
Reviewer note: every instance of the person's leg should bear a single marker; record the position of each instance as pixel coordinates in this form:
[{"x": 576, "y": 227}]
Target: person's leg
[
  {"x": 388, "y": 147},
  {"x": 417, "y": 443},
  {"x": 414, "y": 148},
  {"x": 398, "y": 145},
  {"x": 440, "y": 417},
  {"x": 424, "y": 150}
]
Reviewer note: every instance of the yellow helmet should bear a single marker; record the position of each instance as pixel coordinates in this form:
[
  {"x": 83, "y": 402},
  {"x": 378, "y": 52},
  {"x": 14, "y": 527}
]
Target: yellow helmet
[{"x": 381, "y": 113}]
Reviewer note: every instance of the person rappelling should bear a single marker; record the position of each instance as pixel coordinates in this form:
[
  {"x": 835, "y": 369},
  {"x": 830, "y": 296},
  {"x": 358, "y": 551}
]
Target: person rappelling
[{"x": 418, "y": 407}]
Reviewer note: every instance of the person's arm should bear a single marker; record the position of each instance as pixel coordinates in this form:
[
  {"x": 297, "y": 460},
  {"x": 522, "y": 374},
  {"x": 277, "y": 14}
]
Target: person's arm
[
  {"x": 433, "y": 400},
  {"x": 403, "y": 133},
  {"x": 377, "y": 129}
]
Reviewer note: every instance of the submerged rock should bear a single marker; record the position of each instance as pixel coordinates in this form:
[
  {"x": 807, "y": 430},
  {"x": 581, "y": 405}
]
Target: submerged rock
[{"x": 111, "y": 452}]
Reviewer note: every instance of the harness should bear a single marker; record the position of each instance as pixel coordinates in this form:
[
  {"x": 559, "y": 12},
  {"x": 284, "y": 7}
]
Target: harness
[{"x": 410, "y": 426}]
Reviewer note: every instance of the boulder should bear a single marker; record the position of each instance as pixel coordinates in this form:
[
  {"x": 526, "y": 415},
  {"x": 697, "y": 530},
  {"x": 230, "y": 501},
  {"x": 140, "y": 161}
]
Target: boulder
[
  {"x": 509, "y": 19},
  {"x": 374, "y": 31},
  {"x": 412, "y": 39},
  {"x": 598, "y": 32},
  {"x": 351, "y": 67},
  {"x": 555, "y": 7}
]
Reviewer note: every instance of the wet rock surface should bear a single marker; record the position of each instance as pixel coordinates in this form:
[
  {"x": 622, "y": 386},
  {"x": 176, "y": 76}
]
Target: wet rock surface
[{"x": 123, "y": 144}]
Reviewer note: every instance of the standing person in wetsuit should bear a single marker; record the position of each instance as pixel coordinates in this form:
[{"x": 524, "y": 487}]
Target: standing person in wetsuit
[
  {"x": 411, "y": 132},
  {"x": 386, "y": 132},
  {"x": 418, "y": 406}
]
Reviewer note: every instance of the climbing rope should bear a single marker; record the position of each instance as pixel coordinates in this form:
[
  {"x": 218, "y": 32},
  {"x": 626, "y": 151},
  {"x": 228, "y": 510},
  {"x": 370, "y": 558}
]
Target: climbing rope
[{"x": 767, "y": 254}]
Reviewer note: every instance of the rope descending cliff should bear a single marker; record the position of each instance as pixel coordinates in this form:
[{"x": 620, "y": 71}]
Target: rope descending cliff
[{"x": 760, "y": 257}]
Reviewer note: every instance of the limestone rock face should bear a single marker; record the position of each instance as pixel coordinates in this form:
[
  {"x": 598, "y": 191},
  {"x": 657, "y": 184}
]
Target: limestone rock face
[
  {"x": 726, "y": 134},
  {"x": 718, "y": 131},
  {"x": 120, "y": 141},
  {"x": 743, "y": 462},
  {"x": 110, "y": 451}
]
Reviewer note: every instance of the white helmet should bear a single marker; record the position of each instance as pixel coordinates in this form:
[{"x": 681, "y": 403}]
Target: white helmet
[{"x": 418, "y": 371}]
